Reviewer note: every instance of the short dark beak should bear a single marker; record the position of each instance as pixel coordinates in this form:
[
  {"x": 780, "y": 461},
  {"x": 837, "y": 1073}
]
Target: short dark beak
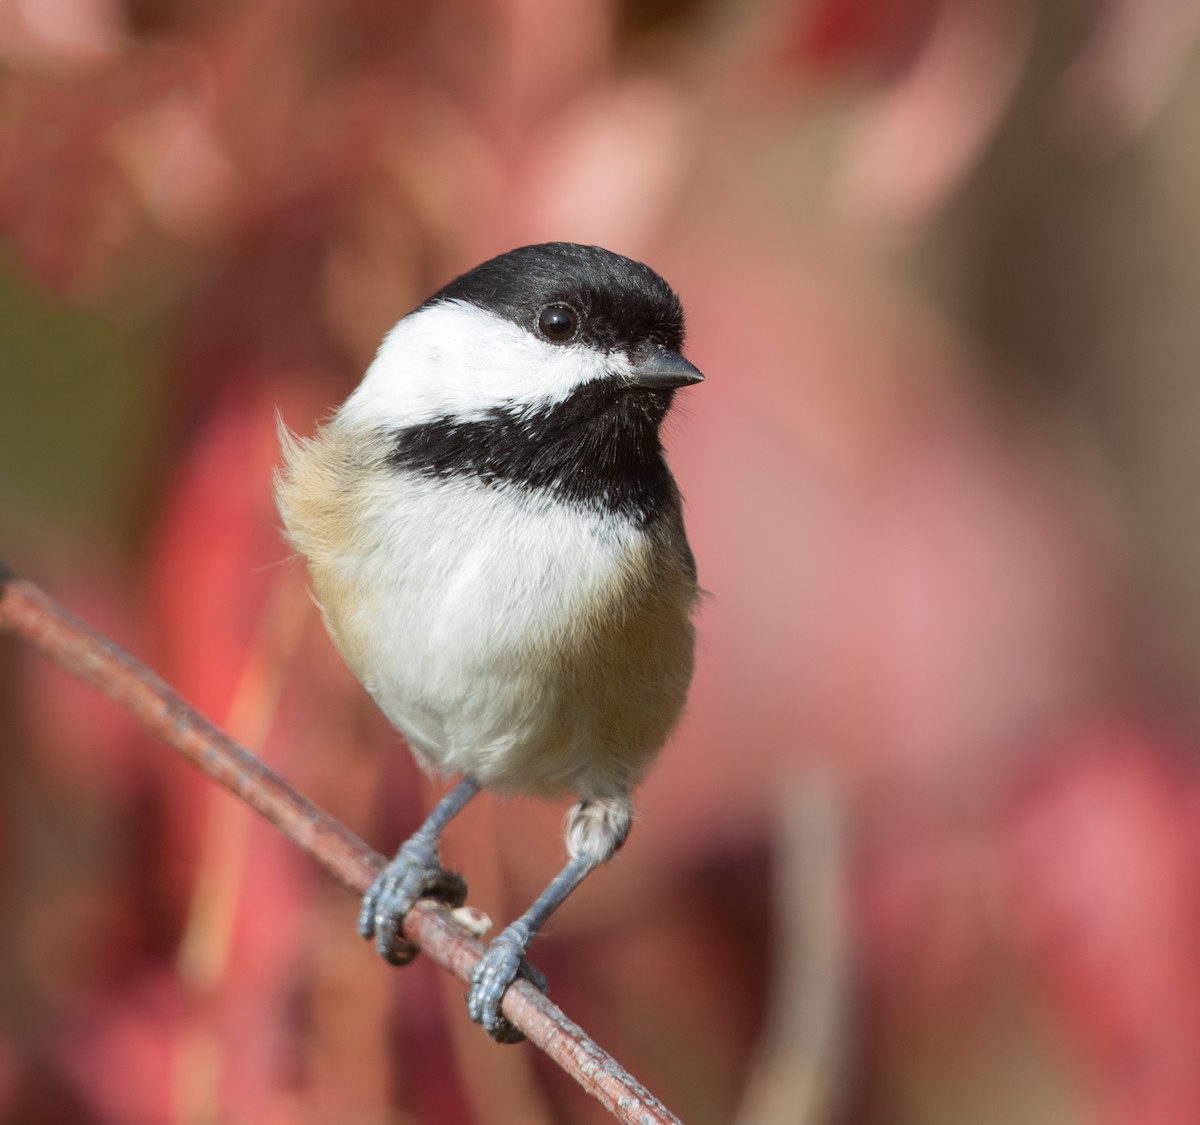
[{"x": 664, "y": 369}]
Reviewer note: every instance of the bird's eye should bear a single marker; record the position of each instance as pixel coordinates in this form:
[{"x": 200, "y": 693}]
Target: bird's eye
[{"x": 558, "y": 323}]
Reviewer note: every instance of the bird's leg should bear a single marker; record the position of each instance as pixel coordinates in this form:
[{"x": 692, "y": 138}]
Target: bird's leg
[
  {"x": 415, "y": 872},
  {"x": 595, "y": 830}
]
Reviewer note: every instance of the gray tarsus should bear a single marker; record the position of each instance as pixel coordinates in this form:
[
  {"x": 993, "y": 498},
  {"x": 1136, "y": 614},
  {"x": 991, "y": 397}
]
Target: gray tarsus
[
  {"x": 504, "y": 959},
  {"x": 415, "y": 872}
]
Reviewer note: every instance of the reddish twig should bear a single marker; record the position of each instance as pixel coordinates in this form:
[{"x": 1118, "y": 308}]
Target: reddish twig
[{"x": 29, "y": 613}]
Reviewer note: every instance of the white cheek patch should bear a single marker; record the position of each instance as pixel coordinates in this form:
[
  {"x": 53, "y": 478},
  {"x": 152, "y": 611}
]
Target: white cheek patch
[{"x": 458, "y": 360}]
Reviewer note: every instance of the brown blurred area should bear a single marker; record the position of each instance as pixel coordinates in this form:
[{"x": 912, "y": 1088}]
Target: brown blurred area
[{"x": 926, "y": 848}]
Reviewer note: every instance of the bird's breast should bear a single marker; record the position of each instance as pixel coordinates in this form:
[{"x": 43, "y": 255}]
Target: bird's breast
[{"x": 540, "y": 645}]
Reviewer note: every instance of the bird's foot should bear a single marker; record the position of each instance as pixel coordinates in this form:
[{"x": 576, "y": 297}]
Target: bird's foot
[
  {"x": 414, "y": 873},
  {"x": 501, "y": 964}
]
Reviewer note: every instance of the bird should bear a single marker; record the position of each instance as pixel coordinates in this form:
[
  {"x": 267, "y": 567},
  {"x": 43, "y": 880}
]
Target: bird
[{"x": 498, "y": 549}]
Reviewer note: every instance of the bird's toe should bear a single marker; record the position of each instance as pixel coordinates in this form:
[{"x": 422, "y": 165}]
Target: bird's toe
[
  {"x": 501, "y": 964},
  {"x": 414, "y": 873}
]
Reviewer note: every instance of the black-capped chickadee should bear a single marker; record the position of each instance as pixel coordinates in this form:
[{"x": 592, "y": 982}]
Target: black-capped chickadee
[{"x": 498, "y": 548}]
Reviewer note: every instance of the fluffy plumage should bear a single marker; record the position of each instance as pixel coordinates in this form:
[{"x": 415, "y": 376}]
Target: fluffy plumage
[
  {"x": 542, "y": 647},
  {"x": 497, "y": 546}
]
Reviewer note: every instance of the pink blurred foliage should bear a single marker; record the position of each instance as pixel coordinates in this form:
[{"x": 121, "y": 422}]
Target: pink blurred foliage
[
  {"x": 1100, "y": 854},
  {"x": 836, "y": 36},
  {"x": 82, "y": 743},
  {"x": 1134, "y": 57},
  {"x": 117, "y": 1051},
  {"x": 909, "y": 587}
]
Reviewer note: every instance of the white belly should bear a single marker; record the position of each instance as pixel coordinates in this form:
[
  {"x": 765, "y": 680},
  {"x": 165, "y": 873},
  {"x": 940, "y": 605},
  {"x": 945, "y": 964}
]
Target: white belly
[{"x": 509, "y": 637}]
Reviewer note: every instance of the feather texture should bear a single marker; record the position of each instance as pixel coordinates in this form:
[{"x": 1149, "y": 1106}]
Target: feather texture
[{"x": 543, "y": 647}]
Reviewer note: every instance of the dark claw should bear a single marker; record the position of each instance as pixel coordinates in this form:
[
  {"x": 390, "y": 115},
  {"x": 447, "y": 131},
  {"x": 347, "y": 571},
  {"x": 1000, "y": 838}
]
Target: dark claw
[
  {"x": 534, "y": 975},
  {"x": 414, "y": 873},
  {"x": 501, "y": 964}
]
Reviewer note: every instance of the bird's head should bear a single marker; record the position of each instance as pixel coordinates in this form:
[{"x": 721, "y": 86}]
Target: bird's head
[{"x": 557, "y": 325}]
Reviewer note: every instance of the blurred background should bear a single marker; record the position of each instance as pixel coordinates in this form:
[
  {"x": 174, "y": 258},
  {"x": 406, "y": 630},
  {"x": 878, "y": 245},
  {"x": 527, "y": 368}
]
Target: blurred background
[{"x": 927, "y": 846}]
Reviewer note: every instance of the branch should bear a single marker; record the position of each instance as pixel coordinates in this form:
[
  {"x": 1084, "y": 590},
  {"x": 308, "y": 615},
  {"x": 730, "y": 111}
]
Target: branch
[{"x": 92, "y": 658}]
